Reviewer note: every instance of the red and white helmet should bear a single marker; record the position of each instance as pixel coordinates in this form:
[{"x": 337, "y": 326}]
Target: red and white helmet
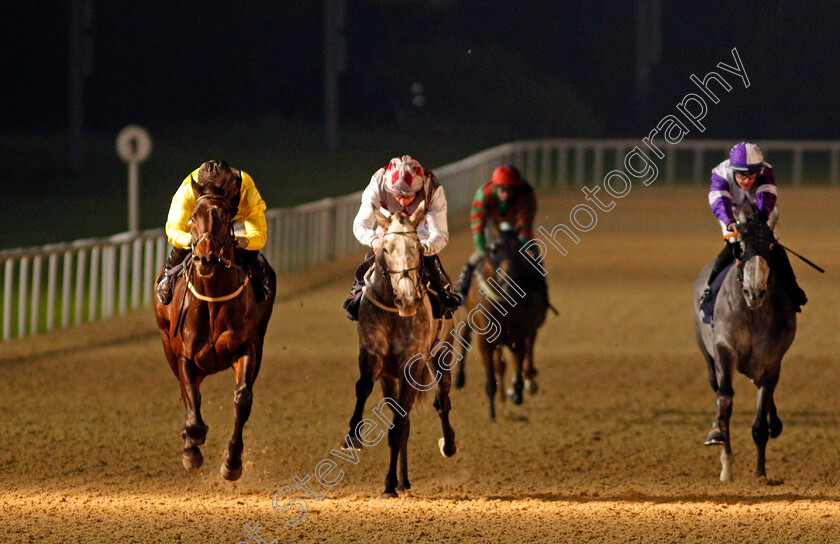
[{"x": 403, "y": 176}]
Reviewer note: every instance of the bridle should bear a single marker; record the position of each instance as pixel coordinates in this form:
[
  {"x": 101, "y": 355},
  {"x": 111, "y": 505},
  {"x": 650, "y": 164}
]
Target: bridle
[
  {"x": 404, "y": 272},
  {"x": 224, "y": 242}
]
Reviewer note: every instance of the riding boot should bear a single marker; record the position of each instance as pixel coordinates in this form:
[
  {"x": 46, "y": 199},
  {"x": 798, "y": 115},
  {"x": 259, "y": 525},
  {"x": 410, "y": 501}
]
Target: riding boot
[
  {"x": 260, "y": 274},
  {"x": 354, "y": 298},
  {"x": 440, "y": 282},
  {"x": 727, "y": 256},
  {"x": 462, "y": 286},
  {"x": 781, "y": 265},
  {"x": 165, "y": 283}
]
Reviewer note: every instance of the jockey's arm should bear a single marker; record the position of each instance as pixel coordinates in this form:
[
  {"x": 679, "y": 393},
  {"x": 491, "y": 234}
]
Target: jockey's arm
[
  {"x": 720, "y": 201},
  {"x": 766, "y": 192},
  {"x": 252, "y": 214},
  {"x": 478, "y": 219},
  {"x": 525, "y": 217},
  {"x": 178, "y": 219},
  {"x": 437, "y": 223},
  {"x": 364, "y": 225}
]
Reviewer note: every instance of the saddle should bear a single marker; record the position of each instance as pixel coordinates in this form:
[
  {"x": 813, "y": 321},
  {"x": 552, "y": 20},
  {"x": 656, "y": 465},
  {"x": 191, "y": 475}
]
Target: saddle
[{"x": 707, "y": 308}]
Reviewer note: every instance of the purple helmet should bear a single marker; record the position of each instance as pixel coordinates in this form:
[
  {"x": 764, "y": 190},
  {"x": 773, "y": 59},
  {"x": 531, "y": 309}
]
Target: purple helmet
[{"x": 746, "y": 157}]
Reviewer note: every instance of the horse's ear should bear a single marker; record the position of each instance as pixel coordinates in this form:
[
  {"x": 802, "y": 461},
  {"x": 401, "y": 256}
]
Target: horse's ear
[
  {"x": 196, "y": 188},
  {"x": 418, "y": 214},
  {"x": 383, "y": 221}
]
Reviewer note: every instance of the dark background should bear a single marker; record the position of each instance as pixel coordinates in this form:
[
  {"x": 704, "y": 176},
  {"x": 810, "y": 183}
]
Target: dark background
[
  {"x": 244, "y": 82},
  {"x": 534, "y": 68}
]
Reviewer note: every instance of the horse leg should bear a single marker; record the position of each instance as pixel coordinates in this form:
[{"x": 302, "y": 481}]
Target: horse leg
[
  {"x": 500, "y": 365},
  {"x": 719, "y": 435},
  {"x": 775, "y": 422},
  {"x": 761, "y": 424},
  {"x": 443, "y": 405},
  {"x": 460, "y": 377},
  {"x": 195, "y": 431},
  {"x": 370, "y": 367},
  {"x": 529, "y": 369},
  {"x": 403, "y": 484},
  {"x": 487, "y": 357},
  {"x": 398, "y": 440},
  {"x": 246, "y": 369},
  {"x": 517, "y": 385}
]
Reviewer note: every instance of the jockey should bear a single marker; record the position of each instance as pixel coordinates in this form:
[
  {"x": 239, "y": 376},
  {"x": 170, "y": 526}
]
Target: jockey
[
  {"x": 505, "y": 198},
  {"x": 400, "y": 187},
  {"x": 745, "y": 177},
  {"x": 249, "y": 223}
]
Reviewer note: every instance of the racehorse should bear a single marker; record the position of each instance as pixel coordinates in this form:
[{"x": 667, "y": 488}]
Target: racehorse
[
  {"x": 396, "y": 336},
  {"x": 753, "y": 325},
  {"x": 511, "y": 293},
  {"x": 217, "y": 324}
]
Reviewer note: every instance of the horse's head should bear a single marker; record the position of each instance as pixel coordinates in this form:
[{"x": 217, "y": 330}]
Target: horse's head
[
  {"x": 757, "y": 242},
  {"x": 503, "y": 251},
  {"x": 399, "y": 257},
  {"x": 212, "y": 233}
]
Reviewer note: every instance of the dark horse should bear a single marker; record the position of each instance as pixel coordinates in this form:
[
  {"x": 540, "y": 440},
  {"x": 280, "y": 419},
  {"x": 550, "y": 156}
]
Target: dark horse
[
  {"x": 513, "y": 300},
  {"x": 213, "y": 323},
  {"x": 754, "y": 323},
  {"x": 396, "y": 336}
]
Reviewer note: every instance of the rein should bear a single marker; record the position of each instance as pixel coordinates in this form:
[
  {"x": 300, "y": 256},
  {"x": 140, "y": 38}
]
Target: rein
[{"x": 370, "y": 296}]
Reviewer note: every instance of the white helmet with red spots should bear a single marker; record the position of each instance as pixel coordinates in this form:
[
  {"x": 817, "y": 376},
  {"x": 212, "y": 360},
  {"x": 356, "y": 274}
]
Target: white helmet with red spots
[{"x": 403, "y": 176}]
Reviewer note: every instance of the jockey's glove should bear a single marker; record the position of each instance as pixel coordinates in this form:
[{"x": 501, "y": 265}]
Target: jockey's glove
[{"x": 242, "y": 242}]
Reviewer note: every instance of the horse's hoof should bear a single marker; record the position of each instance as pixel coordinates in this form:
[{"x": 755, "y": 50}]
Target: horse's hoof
[
  {"x": 460, "y": 380},
  {"x": 352, "y": 443},
  {"x": 531, "y": 386},
  {"x": 442, "y": 446},
  {"x": 228, "y": 474},
  {"x": 715, "y": 438},
  {"x": 403, "y": 487},
  {"x": 389, "y": 495},
  {"x": 192, "y": 459},
  {"x": 775, "y": 427},
  {"x": 514, "y": 396}
]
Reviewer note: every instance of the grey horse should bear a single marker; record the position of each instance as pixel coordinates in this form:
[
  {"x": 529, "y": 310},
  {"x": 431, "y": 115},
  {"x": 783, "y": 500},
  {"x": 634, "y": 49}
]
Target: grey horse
[
  {"x": 396, "y": 336},
  {"x": 753, "y": 325}
]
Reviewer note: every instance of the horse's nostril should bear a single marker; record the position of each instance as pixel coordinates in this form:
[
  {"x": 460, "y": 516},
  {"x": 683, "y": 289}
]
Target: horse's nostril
[{"x": 399, "y": 302}]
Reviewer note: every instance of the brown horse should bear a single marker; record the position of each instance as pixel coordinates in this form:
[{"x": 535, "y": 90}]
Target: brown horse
[
  {"x": 213, "y": 323},
  {"x": 396, "y": 335},
  {"x": 507, "y": 304}
]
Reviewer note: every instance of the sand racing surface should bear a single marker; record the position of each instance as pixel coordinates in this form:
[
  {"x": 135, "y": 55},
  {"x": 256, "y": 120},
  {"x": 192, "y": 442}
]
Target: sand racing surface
[{"x": 610, "y": 449}]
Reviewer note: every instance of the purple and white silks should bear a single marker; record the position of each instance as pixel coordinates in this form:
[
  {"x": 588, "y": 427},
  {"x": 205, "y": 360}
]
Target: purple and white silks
[{"x": 726, "y": 197}]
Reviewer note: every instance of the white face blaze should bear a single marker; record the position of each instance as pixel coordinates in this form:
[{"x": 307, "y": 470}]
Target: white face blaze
[
  {"x": 756, "y": 274},
  {"x": 401, "y": 253}
]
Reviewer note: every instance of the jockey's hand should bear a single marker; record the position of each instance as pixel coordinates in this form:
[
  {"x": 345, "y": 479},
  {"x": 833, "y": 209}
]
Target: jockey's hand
[
  {"x": 732, "y": 227},
  {"x": 424, "y": 248},
  {"x": 241, "y": 242}
]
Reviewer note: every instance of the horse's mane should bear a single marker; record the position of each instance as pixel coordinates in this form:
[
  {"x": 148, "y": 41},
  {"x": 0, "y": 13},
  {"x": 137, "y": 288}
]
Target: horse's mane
[{"x": 756, "y": 234}]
